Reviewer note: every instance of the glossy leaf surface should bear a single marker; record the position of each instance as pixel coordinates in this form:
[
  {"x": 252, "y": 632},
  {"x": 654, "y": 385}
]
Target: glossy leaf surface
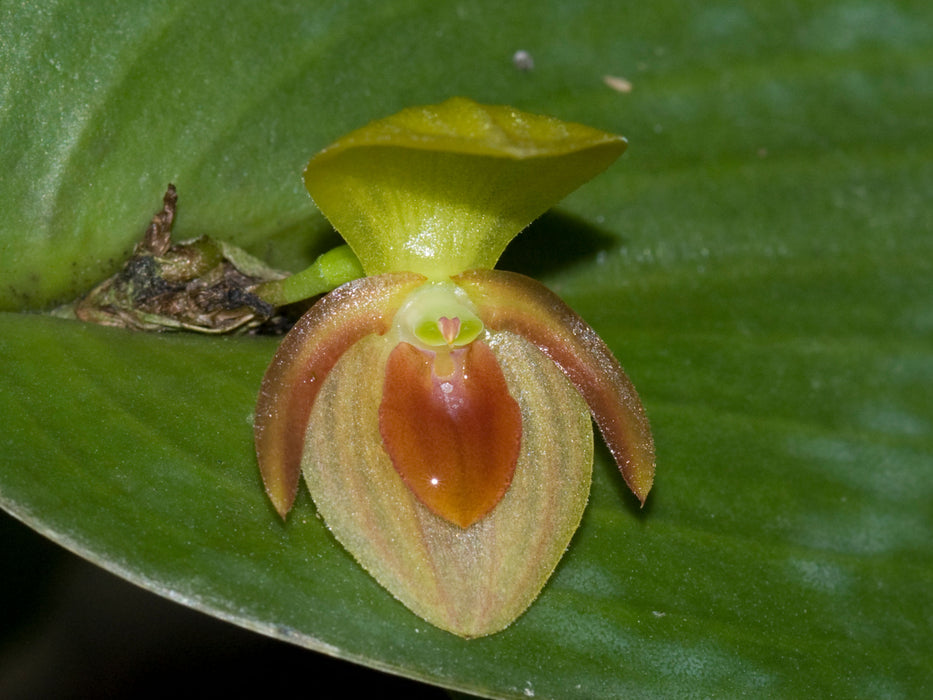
[{"x": 759, "y": 261}]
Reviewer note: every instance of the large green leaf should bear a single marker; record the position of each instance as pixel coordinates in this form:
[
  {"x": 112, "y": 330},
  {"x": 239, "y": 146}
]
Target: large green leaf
[{"x": 760, "y": 261}]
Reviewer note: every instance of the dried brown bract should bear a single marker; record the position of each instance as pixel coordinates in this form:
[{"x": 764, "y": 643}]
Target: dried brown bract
[{"x": 201, "y": 285}]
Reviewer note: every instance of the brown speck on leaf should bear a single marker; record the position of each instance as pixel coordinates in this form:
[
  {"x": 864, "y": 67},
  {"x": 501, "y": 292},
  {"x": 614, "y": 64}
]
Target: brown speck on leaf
[{"x": 201, "y": 285}]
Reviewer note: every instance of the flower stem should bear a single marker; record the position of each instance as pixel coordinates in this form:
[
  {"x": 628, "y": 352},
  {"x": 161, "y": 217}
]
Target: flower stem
[{"x": 331, "y": 269}]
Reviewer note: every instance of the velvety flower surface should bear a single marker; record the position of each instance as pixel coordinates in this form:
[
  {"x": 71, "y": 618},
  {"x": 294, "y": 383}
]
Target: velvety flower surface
[{"x": 440, "y": 410}]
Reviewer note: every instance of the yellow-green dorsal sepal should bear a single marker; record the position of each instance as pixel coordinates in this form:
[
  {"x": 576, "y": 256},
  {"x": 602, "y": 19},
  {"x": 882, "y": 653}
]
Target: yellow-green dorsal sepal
[{"x": 441, "y": 189}]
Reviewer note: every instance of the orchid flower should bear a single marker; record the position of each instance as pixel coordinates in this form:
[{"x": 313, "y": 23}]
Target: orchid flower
[{"x": 440, "y": 410}]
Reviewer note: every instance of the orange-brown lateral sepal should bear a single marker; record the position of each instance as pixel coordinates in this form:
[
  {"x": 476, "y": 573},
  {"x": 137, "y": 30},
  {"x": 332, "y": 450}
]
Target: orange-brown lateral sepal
[
  {"x": 510, "y": 301},
  {"x": 300, "y": 365},
  {"x": 451, "y": 428}
]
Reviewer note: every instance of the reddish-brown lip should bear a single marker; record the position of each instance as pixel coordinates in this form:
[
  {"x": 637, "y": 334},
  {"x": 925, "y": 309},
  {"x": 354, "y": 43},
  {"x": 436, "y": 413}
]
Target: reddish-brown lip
[{"x": 451, "y": 428}]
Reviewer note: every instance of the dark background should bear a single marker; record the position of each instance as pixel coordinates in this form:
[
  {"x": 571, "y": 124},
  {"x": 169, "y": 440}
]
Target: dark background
[{"x": 69, "y": 629}]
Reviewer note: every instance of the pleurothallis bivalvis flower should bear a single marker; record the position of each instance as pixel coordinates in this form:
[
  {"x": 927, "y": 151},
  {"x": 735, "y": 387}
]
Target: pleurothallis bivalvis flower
[{"x": 440, "y": 410}]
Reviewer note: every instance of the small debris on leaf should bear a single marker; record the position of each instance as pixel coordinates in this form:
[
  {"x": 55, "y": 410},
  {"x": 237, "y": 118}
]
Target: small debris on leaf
[
  {"x": 201, "y": 285},
  {"x": 523, "y": 61},
  {"x": 618, "y": 84}
]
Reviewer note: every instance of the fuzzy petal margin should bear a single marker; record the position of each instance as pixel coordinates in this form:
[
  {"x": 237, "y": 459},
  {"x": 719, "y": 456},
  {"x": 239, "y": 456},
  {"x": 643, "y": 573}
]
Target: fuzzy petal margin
[
  {"x": 513, "y": 302},
  {"x": 301, "y": 364}
]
